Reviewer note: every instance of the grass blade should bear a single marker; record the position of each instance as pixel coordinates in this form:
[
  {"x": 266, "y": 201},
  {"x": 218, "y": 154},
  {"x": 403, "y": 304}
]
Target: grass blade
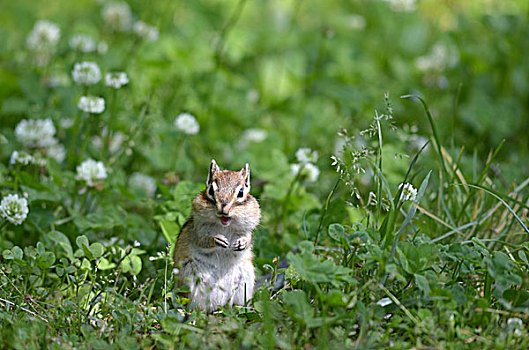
[
  {"x": 411, "y": 213},
  {"x": 498, "y": 197},
  {"x": 434, "y": 130}
]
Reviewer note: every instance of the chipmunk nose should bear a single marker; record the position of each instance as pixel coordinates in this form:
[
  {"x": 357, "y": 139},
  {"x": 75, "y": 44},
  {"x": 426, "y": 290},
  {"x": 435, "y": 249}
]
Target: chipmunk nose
[{"x": 224, "y": 209}]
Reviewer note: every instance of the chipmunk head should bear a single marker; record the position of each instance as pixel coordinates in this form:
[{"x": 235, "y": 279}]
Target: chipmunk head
[{"x": 227, "y": 190}]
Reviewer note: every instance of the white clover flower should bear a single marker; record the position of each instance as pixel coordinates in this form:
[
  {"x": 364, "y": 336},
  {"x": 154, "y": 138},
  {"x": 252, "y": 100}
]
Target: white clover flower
[
  {"x": 187, "y": 123},
  {"x": 145, "y": 31},
  {"x": 117, "y": 16},
  {"x": 515, "y": 325},
  {"x": 439, "y": 58},
  {"x": 97, "y": 143},
  {"x": 403, "y": 5},
  {"x": 253, "y": 135},
  {"x": 102, "y": 47},
  {"x": 82, "y": 43},
  {"x": 306, "y": 155},
  {"x": 87, "y": 73},
  {"x": 116, "y": 80},
  {"x": 309, "y": 171},
  {"x": 45, "y": 35},
  {"x": 38, "y": 160},
  {"x": 409, "y": 193},
  {"x": 58, "y": 79},
  {"x": 20, "y": 158},
  {"x": 91, "y": 171},
  {"x": 252, "y": 96},
  {"x": 66, "y": 123},
  {"x": 115, "y": 141},
  {"x": 91, "y": 104},
  {"x": 35, "y": 132},
  {"x": 42, "y": 41},
  {"x": 357, "y": 21},
  {"x": 57, "y": 152},
  {"x": 14, "y": 209},
  {"x": 417, "y": 141},
  {"x": 144, "y": 183},
  {"x": 424, "y": 63}
]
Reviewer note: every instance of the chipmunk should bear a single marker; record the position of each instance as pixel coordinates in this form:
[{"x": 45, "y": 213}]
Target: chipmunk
[{"x": 213, "y": 251}]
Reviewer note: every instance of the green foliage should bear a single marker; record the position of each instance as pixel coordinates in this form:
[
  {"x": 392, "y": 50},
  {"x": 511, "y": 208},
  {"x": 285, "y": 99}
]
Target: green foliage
[{"x": 346, "y": 256}]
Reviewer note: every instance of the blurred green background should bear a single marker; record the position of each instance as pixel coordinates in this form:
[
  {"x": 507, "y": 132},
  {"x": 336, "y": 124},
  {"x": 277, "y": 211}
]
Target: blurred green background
[
  {"x": 300, "y": 69},
  {"x": 265, "y": 78}
]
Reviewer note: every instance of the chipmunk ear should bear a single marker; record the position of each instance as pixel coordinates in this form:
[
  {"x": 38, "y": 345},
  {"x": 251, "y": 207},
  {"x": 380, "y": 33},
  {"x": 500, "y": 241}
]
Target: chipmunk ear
[
  {"x": 213, "y": 168},
  {"x": 245, "y": 172}
]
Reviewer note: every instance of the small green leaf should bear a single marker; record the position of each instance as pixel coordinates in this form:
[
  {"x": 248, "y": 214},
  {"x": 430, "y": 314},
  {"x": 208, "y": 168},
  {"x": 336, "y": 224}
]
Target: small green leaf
[
  {"x": 99, "y": 221},
  {"x": 422, "y": 283},
  {"x": 49, "y": 257},
  {"x": 459, "y": 294},
  {"x": 395, "y": 272},
  {"x": 170, "y": 231},
  {"x": 516, "y": 297},
  {"x": 13, "y": 253},
  {"x": 298, "y": 306},
  {"x": 45, "y": 260},
  {"x": 522, "y": 256},
  {"x": 97, "y": 250},
  {"x": 336, "y": 299},
  {"x": 87, "y": 252},
  {"x": 78, "y": 253},
  {"x": 503, "y": 270},
  {"x": 82, "y": 241},
  {"x": 104, "y": 264},
  {"x": 60, "y": 240},
  {"x": 40, "y": 248},
  {"x": 85, "y": 265},
  {"x": 306, "y": 247},
  {"x": 137, "y": 251},
  {"x": 132, "y": 264},
  {"x": 336, "y": 232},
  {"x": 310, "y": 268},
  {"x": 59, "y": 271},
  {"x": 417, "y": 258}
]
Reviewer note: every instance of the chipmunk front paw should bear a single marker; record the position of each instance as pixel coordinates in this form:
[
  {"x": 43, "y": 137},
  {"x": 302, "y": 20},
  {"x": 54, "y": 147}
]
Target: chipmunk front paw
[
  {"x": 221, "y": 241},
  {"x": 240, "y": 244}
]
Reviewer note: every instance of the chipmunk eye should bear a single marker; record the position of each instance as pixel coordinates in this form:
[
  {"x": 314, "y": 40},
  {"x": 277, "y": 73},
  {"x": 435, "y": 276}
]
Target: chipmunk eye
[
  {"x": 240, "y": 194},
  {"x": 211, "y": 192}
]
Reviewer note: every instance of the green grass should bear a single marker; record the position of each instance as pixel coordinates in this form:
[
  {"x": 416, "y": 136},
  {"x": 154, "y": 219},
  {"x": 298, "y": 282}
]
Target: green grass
[{"x": 90, "y": 267}]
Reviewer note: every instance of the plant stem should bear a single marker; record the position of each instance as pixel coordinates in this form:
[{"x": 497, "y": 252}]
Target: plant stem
[
  {"x": 17, "y": 177},
  {"x": 73, "y": 141},
  {"x": 85, "y": 139},
  {"x": 287, "y": 198},
  {"x": 106, "y": 142},
  {"x": 325, "y": 208},
  {"x": 72, "y": 159},
  {"x": 379, "y": 179},
  {"x": 165, "y": 288},
  {"x": 2, "y": 226}
]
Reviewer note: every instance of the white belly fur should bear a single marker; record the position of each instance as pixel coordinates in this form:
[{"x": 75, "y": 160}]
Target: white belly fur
[{"x": 219, "y": 277}]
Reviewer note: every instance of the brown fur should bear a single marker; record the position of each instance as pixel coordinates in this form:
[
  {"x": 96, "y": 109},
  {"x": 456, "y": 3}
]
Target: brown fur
[{"x": 209, "y": 250}]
